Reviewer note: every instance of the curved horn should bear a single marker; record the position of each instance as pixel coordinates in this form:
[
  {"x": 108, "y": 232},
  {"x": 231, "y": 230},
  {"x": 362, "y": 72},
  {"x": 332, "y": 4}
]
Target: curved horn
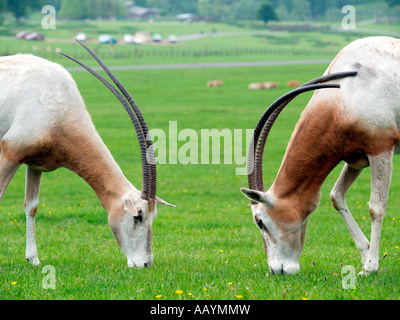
[
  {"x": 266, "y": 121},
  {"x": 136, "y": 122},
  {"x": 151, "y": 159}
]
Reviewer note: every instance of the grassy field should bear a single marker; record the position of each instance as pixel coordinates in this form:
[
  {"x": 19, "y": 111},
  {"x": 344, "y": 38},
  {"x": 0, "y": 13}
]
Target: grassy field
[
  {"x": 208, "y": 247},
  {"x": 227, "y": 43}
]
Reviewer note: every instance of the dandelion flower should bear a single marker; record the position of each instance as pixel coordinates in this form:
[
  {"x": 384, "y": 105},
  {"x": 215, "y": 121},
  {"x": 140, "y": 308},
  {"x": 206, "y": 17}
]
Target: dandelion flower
[
  {"x": 239, "y": 296},
  {"x": 189, "y": 293},
  {"x": 178, "y": 291},
  {"x": 204, "y": 289},
  {"x": 158, "y": 296},
  {"x": 197, "y": 206},
  {"x": 14, "y": 283},
  {"x": 221, "y": 250},
  {"x": 304, "y": 298},
  {"x": 229, "y": 283}
]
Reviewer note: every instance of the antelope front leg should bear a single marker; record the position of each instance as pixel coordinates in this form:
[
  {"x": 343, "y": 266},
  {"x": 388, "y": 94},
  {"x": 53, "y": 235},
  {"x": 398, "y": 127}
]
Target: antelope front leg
[
  {"x": 31, "y": 203},
  {"x": 346, "y": 179},
  {"x": 381, "y": 174}
]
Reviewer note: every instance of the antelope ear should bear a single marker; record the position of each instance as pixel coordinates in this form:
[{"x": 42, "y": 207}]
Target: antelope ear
[
  {"x": 258, "y": 196},
  {"x": 129, "y": 205},
  {"x": 161, "y": 201}
]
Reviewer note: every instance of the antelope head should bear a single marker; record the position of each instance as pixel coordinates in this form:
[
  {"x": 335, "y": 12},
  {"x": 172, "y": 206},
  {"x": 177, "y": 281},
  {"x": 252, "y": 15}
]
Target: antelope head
[
  {"x": 282, "y": 224},
  {"x": 132, "y": 214}
]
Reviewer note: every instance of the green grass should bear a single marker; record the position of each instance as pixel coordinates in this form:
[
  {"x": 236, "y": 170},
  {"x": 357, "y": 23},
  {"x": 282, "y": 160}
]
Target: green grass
[{"x": 208, "y": 246}]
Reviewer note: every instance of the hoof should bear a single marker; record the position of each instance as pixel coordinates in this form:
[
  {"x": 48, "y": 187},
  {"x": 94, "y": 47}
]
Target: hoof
[{"x": 33, "y": 261}]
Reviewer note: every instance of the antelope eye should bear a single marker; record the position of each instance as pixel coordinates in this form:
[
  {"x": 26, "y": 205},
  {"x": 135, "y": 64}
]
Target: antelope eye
[
  {"x": 139, "y": 217},
  {"x": 260, "y": 223}
]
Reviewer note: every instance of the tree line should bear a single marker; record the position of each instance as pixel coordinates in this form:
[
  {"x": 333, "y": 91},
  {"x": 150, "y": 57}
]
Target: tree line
[{"x": 228, "y": 10}]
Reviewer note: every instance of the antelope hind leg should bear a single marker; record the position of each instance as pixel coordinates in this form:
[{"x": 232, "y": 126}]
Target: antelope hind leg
[{"x": 381, "y": 175}]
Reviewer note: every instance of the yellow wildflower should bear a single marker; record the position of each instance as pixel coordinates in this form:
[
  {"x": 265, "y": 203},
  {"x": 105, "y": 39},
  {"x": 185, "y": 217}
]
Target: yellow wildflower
[{"x": 178, "y": 291}]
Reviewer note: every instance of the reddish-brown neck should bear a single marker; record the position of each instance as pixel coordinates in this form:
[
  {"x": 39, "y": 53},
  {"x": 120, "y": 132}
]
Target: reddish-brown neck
[
  {"x": 88, "y": 156},
  {"x": 313, "y": 152}
]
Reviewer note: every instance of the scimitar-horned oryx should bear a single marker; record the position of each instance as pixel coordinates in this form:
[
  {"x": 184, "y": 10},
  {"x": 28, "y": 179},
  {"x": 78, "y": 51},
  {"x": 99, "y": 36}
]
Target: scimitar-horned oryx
[
  {"x": 45, "y": 125},
  {"x": 358, "y": 124}
]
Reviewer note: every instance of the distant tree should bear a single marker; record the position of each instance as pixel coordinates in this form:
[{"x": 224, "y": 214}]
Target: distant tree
[
  {"x": 3, "y": 7},
  {"x": 214, "y": 9},
  {"x": 20, "y": 8},
  {"x": 244, "y": 10},
  {"x": 73, "y": 9},
  {"x": 90, "y": 9},
  {"x": 141, "y": 3},
  {"x": 266, "y": 13},
  {"x": 318, "y": 8},
  {"x": 393, "y": 3},
  {"x": 300, "y": 10}
]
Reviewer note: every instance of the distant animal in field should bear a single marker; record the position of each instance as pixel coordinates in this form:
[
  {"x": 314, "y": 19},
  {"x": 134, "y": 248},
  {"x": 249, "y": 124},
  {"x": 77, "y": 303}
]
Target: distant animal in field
[
  {"x": 254, "y": 86},
  {"x": 268, "y": 85},
  {"x": 215, "y": 83},
  {"x": 293, "y": 83},
  {"x": 263, "y": 85}
]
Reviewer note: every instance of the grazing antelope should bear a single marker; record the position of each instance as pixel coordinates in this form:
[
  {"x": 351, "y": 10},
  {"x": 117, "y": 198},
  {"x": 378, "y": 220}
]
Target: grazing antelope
[
  {"x": 268, "y": 85},
  {"x": 215, "y": 83},
  {"x": 293, "y": 83},
  {"x": 45, "y": 125},
  {"x": 263, "y": 85},
  {"x": 254, "y": 86},
  {"x": 358, "y": 124}
]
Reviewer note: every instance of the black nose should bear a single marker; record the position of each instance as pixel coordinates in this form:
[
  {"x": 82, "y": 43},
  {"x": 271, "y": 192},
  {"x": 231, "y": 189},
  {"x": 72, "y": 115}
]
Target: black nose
[{"x": 145, "y": 265}]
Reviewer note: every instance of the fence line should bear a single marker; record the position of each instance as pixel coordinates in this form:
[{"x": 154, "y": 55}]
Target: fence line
[{"x": 172, "y": 52}]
